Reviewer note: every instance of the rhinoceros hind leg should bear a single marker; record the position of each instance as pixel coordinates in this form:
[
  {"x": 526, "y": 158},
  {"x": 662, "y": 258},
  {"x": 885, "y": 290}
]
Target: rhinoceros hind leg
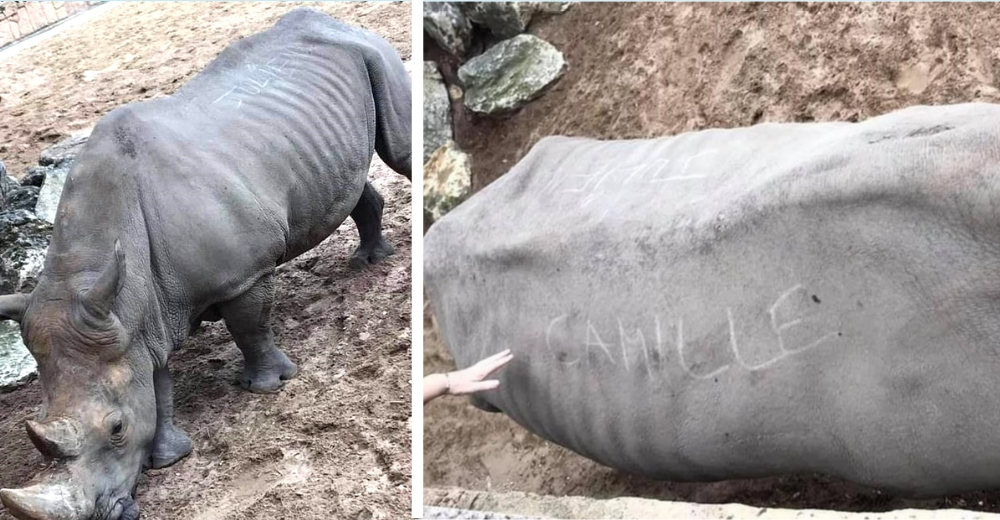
[
  {"x": 170, "y": 443},
  {"x": 367, "y": 214},
  {"x": 248, "y": 318}
]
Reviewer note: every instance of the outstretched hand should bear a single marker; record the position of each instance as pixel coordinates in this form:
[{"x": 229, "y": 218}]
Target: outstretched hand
[
  {"x": 466, "y": 381},
  {"x": 471, "y": 379}
]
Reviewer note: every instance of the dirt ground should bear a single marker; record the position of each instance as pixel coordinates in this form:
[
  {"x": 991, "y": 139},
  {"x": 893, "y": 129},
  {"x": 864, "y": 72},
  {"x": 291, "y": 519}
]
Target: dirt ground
[
  {"x": 137, "y": 51},
  {"x": 336, "y": 441},
  {"x": 646, "y": 70}
]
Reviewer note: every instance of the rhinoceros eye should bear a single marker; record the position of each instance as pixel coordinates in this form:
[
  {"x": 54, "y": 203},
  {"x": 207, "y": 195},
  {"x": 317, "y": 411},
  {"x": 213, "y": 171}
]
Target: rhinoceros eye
[{"x": 116, "y": 427}]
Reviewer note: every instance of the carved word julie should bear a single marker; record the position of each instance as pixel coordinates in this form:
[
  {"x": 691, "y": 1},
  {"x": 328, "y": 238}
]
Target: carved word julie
[{"x": 258, "y": 77}]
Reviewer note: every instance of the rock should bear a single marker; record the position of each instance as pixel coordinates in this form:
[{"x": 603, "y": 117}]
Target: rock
[
  {"x": 24, "y": 239},
  {"x": 8, "y": 184},
  {"x": 48, "y": 196},
  {"x": 448, "y": 26},
  {"x": 503, "y": 19},
  {"x": 22, "y": 197},
  {"x": 553, "y": 7},
  {"x": 437, "y": 111},
  {"x": 35, "y": 176},
  {"x": 447, "y": 180},
  {"x": 17, "y": 366},
  {"x": 510, "y": 74},
  {"x": 23, "y": 242},
  {"x": 63, "y": 151}
]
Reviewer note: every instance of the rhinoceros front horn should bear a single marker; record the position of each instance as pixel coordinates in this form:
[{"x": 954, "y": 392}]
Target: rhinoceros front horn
[
  {"x": 57, "y": 438},
  {"x": 47, "y": 501}
]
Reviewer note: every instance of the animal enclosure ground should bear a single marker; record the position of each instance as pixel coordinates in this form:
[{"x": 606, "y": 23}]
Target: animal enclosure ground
[
  {"x": 648, "y": 70},
  {"x": 136, "y": 51},
  {"x": 336, "y": 441}
]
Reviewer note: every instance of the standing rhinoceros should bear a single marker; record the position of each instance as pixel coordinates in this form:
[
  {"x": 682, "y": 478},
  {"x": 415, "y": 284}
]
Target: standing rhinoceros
[
  {"x": 178, "y": 210},
  {"x": 786, "y": 298}
]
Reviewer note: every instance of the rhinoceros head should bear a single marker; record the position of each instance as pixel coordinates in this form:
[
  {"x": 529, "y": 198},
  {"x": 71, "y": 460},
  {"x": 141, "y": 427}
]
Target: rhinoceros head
[{"x": 98, "y": 417}]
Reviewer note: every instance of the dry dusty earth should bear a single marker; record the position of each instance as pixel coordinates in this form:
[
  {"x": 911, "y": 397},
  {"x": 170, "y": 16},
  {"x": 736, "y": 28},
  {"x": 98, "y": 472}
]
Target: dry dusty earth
[
  {"x": 336, "y": 441},
  {"x": 647, "y": 70}
]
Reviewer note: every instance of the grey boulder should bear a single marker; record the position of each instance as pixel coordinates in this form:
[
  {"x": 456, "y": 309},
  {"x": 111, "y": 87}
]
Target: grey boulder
[
  {"x": 510, "y": 74},
  {"x": 48, "y": 196},
  {"x": 437, "y": 110},
  {"x": 447, "y": 180},
  {"x": 64, "y": 150},
  {"x": 503, "y": 19},
  {"x": 35, "y": 176},
  {"x": 23, "y": 242},
  {"x": 448, "y": 26},
  {"x": 58, "y": 159},
  {"x": 22, "y": 197}
]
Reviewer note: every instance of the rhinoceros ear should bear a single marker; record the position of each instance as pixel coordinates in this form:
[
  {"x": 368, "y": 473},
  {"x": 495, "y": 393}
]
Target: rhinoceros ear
[
  {"x": 12, "y": 306},
  {"x": 101, "y": 296}
]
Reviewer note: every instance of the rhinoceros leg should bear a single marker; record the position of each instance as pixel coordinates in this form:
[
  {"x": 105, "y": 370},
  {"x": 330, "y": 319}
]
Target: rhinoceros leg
[
  {"x": 367, "y": 215},
  {"x": 248, "y": 318},
  {"x": 170, "y": 444}
]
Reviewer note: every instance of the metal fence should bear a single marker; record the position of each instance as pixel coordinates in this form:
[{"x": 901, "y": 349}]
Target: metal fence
[{"x": 21, "y": 19}]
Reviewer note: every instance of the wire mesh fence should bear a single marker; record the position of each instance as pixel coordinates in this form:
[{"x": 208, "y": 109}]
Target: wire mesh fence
[{"x": 21, "y": 19}]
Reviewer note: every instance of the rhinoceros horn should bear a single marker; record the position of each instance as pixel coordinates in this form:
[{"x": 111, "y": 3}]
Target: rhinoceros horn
[
  {"x": 56, "y": 438},
  {"x": 54, "y": 499},
  {"x": 101, "y": 296}
]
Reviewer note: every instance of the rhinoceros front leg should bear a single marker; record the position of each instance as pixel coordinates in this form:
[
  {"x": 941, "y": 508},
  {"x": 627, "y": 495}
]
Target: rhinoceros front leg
[
  {"x": 367, "y": 214},
  {"x": 248, "y": 318},
  {"x": 170, "y": 444}
]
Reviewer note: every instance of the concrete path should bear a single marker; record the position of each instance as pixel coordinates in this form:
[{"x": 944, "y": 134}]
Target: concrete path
[
  {"x": 56, "y": 28},
  {"x": 537, "y": 506}
]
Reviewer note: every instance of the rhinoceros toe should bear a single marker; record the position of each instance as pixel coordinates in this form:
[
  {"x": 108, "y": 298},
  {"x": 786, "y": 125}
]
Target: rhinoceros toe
[
  {"x": 271, "y": 377},
  {"x": 170, "y": 445},
  {"x": 366, "y": 256}
]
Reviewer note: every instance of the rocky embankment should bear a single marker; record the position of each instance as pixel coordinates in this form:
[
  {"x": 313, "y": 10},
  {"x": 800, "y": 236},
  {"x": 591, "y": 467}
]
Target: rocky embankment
[
  {"x": 27, "y": 210},
  {"x": 491, "y": 67}
]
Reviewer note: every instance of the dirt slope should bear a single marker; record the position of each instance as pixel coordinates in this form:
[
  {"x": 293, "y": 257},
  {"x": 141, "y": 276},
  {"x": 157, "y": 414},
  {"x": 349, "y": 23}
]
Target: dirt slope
[
  {"x": 645, "y": 70},
  {"x": 336, "y": 441}
]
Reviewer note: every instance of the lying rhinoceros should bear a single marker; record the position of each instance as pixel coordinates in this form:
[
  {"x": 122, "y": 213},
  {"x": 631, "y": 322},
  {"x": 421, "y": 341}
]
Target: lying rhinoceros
[
  {"x": 178, "y": 210},
  {"x": 786, "y": 298}
]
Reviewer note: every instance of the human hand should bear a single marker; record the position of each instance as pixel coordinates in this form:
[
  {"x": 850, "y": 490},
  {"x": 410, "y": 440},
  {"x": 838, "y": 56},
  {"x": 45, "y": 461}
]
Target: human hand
[{"x": 471, "y": 380}]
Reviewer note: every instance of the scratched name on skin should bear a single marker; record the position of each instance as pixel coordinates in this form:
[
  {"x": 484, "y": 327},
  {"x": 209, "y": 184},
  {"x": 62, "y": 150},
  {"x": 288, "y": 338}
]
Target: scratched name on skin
[
  {"x": 610, "y": 182},
  {"x": 255, "y": 78},
  {"x": 793, "y": 328},
  {"x": 615, "y": 176}
]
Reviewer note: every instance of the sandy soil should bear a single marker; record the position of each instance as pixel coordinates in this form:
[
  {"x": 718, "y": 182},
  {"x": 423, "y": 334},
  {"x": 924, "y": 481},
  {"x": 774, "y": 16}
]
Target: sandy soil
[
  {"x": 137, "y": 51},
  {"x": 645, "y": 70},
  {"x": 336, "y": 441}
]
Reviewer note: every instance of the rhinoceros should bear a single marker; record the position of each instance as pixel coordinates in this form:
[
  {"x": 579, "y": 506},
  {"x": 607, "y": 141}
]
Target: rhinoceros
[
  {"x": 178, "y": 210},
  {"x": 739, "y": 303}
]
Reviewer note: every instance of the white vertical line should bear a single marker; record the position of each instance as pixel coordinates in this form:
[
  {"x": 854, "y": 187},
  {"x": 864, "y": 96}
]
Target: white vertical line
[{"x": 417, "y": 272}]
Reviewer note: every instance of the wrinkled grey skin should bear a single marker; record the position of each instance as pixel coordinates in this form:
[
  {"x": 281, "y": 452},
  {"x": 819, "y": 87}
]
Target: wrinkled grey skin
[
  {"x": 786, "y": 298},
  {"x": 178, "y": 210}
]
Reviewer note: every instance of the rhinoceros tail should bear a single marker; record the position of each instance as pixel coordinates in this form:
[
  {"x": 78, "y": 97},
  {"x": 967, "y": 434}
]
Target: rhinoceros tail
[{"x": 393, "y": 105}]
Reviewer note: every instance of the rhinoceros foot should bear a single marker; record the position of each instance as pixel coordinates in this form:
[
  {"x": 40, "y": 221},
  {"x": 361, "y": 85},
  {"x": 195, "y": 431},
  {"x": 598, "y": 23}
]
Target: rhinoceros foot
[
  {"x": 170, "y": 445},
  {"x": 366, "y": 256},
  {"x": 268, "y": 375}
]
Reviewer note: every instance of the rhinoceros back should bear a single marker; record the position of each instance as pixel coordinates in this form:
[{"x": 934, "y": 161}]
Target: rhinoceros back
[{"x": 736, "y": 303}]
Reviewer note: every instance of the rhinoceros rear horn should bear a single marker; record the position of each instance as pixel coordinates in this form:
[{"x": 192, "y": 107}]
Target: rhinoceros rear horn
[
  {"x": 57, "y": 438},
  {"x": 101, "y": 296},
  {"x": 12, "y": 306},
  {"x": 54, "y": 499}
]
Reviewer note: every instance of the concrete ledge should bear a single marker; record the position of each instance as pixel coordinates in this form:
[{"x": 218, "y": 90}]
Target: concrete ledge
[{"x": 538, "y": 506}]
